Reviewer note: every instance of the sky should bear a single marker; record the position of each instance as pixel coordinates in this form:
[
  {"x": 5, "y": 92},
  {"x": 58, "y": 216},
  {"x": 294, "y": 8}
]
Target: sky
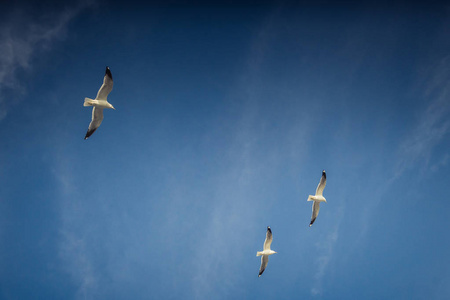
[{"x": 225, "y": 117}]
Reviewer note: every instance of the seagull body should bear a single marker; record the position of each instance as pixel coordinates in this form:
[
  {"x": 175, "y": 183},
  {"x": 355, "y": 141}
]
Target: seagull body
[
  {"x": 318, "y": 197},
  {"x": 99, "y": 103},
  {"x": 266, "y": 252}
]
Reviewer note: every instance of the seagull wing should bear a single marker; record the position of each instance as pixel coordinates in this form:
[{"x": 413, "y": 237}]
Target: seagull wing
[
  {"x": 106, "y": 87},
  {"x": 97, "y": 118},
  {"x": 264, "y": 261},
  {"x": 268, "y": 240},
  {"x": 322, "y": 183},
  {"x": 315, "y": 212}
]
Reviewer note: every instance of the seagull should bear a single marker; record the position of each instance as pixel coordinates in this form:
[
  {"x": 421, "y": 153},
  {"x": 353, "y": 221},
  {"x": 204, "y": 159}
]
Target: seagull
[
  {"x": 99, "y": 103},
  {"x": 318, "y": 197},
  {"x": 266, "y": 252}
]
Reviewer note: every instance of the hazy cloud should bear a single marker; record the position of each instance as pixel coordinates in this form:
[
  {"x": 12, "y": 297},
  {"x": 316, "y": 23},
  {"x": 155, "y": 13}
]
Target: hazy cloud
[
  {"x": 78, "y": 264},
  {"x": 416, "y": 149},
  {"x": 21, "y": 39},
  {"x": 433, "y": 125},
  {"x": 73, "y": 251},
  {"x": 325, "y": 252}
]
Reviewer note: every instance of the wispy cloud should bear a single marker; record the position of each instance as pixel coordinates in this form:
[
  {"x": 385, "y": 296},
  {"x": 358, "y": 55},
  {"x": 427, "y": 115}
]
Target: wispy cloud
[
  {"x": 238, "y": 194},
  {"x": 21, "y": 39},
  {"x": 79, "y": 265},
  {"x": 325, "y": 252},
  {"x": 417, "y": 149},
  {"x": 433, "y": 125},
  {"x": 235, "y": 200},
  {"x": 73, "y": 252}
]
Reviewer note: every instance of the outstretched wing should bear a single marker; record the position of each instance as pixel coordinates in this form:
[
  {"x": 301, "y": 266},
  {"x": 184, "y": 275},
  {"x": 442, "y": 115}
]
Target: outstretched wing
[
  {"x": 268, "y": 240},
  {"x": 315, "y": 212},
  {"x": 322, "y": 183},
  {"x": 97, "y": 118},
  {"x": 106, "y": 87},
  {"x": 264, "y": 261}
]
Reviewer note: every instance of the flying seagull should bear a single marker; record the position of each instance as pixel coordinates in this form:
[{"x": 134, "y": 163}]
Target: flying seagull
[
  {"x": 99, "y": 103},
  {"x": 318, "y": 197},
  {"x": 266, "y": 252}
]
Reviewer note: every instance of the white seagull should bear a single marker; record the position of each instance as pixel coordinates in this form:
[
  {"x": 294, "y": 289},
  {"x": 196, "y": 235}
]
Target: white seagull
[
  {"x": 266, "y": 252},
  {"x": 318, "y": 197},
  {"x": 99, "y": 103}
]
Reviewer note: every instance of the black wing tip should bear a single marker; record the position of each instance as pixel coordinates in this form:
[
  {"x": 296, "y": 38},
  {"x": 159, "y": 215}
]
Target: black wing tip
[
  {"x": 324, "y": 174},
  {"x": 108, "y": 72},
  {"x": 312, "y": 222},
  {"x": 268, "y": 229},
  {"x": 89, "y": 133},
  {"x": 260, "y": 273}
]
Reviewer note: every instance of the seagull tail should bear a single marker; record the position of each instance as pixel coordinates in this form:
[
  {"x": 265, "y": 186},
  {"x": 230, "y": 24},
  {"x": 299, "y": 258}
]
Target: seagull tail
[
  {"x": 89, "y": 102},
  {"x": 318, "y": 198},
  {"x": 259, "y": 253}
]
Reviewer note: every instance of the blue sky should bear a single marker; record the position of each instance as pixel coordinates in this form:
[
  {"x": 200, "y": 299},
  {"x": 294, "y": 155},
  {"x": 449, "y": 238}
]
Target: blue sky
[{"x": 225, "y": 117}]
